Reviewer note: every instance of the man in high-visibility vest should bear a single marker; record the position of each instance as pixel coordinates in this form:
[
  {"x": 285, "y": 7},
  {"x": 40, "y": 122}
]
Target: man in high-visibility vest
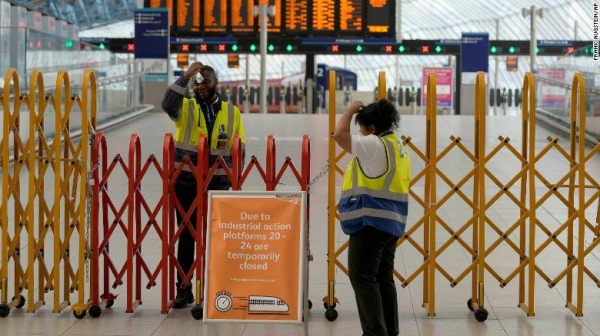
[
  {"x": 373, "y": 209},
  {"x": 220, "y": 121}
]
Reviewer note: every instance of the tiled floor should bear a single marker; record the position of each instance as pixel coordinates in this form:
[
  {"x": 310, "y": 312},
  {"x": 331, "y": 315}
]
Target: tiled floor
[{"x": 452, "y": 316}]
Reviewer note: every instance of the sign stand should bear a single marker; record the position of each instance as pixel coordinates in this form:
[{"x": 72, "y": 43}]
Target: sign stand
[{"x": 256, "y": 259}]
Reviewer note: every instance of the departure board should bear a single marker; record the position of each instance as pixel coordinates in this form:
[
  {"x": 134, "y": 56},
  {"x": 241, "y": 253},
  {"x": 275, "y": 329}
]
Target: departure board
[
  {"x": 351, "y": 15},
  {"x": 294, "y": 18},
  {"x": 380, "y": 17},
  {"x": 275, "y": 22},
  {"x": 323, "y": 15},
  {"x": 215, "y": 16},
  {"x": 242, "y": 18},
  {"x": 296, "y": 15},
  {"x": 161, "y": 4},
  {"x": 188, "y": 15}
]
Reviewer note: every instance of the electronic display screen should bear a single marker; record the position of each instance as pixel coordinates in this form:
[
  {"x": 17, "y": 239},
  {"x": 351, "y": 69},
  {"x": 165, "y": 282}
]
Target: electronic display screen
[
  {"x": 378, "y": 17},
  {"x": 323, "y": 15},
  {"x": 188, "y": 15},
  {"x": 351, "y": 15},
  {"x": 296, "y": 15},
  {"x": 242, "y": 17},
  {"x": 292, "y": 17},
  {"x": 215, "y": 16}
]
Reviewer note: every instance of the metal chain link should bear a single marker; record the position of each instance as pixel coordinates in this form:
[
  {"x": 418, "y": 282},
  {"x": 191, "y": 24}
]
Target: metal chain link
[
  {"x": 322, "y": 173},
  {"x": 89, "y": 193}
]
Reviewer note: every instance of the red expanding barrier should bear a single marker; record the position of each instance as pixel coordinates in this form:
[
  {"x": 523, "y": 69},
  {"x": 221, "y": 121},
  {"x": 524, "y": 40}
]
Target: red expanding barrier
[
  {"x": 128, "y": 214},
  {"x": 108, "y": 218}
]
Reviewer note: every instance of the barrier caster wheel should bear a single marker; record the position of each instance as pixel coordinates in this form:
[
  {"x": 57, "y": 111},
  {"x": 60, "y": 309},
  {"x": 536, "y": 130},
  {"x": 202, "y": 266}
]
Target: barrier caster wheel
[
  {"x": 309, "y": 305},
  {"x": 110, "y": 303},
  {"x": 331, "y": 314},
  {"x": 4, "y": 310},
  {"x": 197, "y": 313},
  {"x": 481, "y": 314},
  {"x": 79, "y": 316},
  {"x": 470, "y": 305},
  {"x": 95, "y": 311},
  {"x": 21, "y": 301},
  {"x": 326, "y": 305}
]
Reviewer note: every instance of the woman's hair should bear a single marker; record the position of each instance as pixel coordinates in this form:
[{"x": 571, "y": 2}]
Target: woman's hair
[{"x": 382, "y": 114}]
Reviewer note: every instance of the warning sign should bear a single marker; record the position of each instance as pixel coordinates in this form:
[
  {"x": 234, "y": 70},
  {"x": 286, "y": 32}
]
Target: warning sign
[{"x": 255, "y": 256}]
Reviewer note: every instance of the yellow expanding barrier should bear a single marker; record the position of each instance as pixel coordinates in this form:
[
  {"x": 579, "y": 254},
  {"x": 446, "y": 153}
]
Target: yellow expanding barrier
[
  {"x": 11, "y": 196},
  {"x": 520, "y": 190},
  {"x": 51, "y": 223}
]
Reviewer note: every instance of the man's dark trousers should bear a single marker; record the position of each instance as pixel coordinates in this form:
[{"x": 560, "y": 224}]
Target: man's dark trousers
[{"x": 185, "y": 190}]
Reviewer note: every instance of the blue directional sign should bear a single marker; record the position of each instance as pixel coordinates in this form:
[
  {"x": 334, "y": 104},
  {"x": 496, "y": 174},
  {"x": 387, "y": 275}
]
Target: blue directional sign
[
  {"x": 551, "y": 43},
  {"x": 204, "y": 40},
  {"x": 151, "y": 33},
  {"x": 474, "y": 51},
  {"x": 342, "y": 41}
]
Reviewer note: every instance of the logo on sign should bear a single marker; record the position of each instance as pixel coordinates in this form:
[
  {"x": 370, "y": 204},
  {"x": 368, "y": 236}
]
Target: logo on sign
[{"x": 223, "y": 301}]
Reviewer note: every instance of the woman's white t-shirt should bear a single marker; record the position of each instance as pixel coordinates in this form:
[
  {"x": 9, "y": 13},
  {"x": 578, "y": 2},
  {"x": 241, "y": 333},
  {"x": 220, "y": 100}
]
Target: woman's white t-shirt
[{"x": 371, "y": 155}]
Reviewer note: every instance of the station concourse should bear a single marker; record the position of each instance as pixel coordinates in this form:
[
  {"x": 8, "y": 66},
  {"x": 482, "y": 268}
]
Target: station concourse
[{"x": 503, "y": 223}]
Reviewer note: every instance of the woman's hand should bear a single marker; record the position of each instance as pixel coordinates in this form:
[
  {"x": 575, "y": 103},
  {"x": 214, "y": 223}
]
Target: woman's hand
[{"x": 355, "y": 106}]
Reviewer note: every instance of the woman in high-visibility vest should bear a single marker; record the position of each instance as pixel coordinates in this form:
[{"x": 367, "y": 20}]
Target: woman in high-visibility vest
[{"x": 373, "y": 209}]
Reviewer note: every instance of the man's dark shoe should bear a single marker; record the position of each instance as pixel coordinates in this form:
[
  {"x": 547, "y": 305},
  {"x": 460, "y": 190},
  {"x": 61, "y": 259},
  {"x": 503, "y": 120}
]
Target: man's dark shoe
[{"x": 183, "y": 298}]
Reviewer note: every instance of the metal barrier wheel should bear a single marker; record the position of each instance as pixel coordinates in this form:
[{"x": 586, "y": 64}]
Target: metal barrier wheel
[
  {"x": 79, "y": 315},
  {"x": 95, "y": 311},
  {"x": 326, "y": 305},
  {"x": 197, "y": 312},
  {"x": 331, "y": 314},
  {"x": 110, "y": 303},
  {"x": 309, "y": 305},
  {"x": 470, "y": 305},
  {"x": 4, "y": 310},
  {"x": 481, "y": 314},
  {"x": 21, "y": 301}
]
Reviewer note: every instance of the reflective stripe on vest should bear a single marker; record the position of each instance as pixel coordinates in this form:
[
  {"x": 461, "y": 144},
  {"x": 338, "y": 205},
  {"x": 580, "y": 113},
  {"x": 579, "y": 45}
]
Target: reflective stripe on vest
[
  {"x": 373, "y": 213},
  {"x": 190, "y": 125},
  {"x": 178, "y": 88},
  {"x": 375, "y": 193}
]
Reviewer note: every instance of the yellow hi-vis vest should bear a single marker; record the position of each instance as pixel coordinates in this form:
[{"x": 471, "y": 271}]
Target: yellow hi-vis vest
[
  {"x": 189, "y": 129},
  {"x": 380, "y": 202}
]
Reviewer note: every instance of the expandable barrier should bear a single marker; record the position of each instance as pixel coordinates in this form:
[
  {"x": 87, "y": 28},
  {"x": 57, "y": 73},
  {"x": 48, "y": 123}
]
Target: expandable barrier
[
  {"x": 59, "y": 218},
  {"x": 93, "y": 215},
  {"x": 134, "y": 217},
  {"x": 109, "y": 217},
  {"x": 525, "y": 184}
]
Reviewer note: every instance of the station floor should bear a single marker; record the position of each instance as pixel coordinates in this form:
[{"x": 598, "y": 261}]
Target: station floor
[{"x": 452, "y": 316}]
